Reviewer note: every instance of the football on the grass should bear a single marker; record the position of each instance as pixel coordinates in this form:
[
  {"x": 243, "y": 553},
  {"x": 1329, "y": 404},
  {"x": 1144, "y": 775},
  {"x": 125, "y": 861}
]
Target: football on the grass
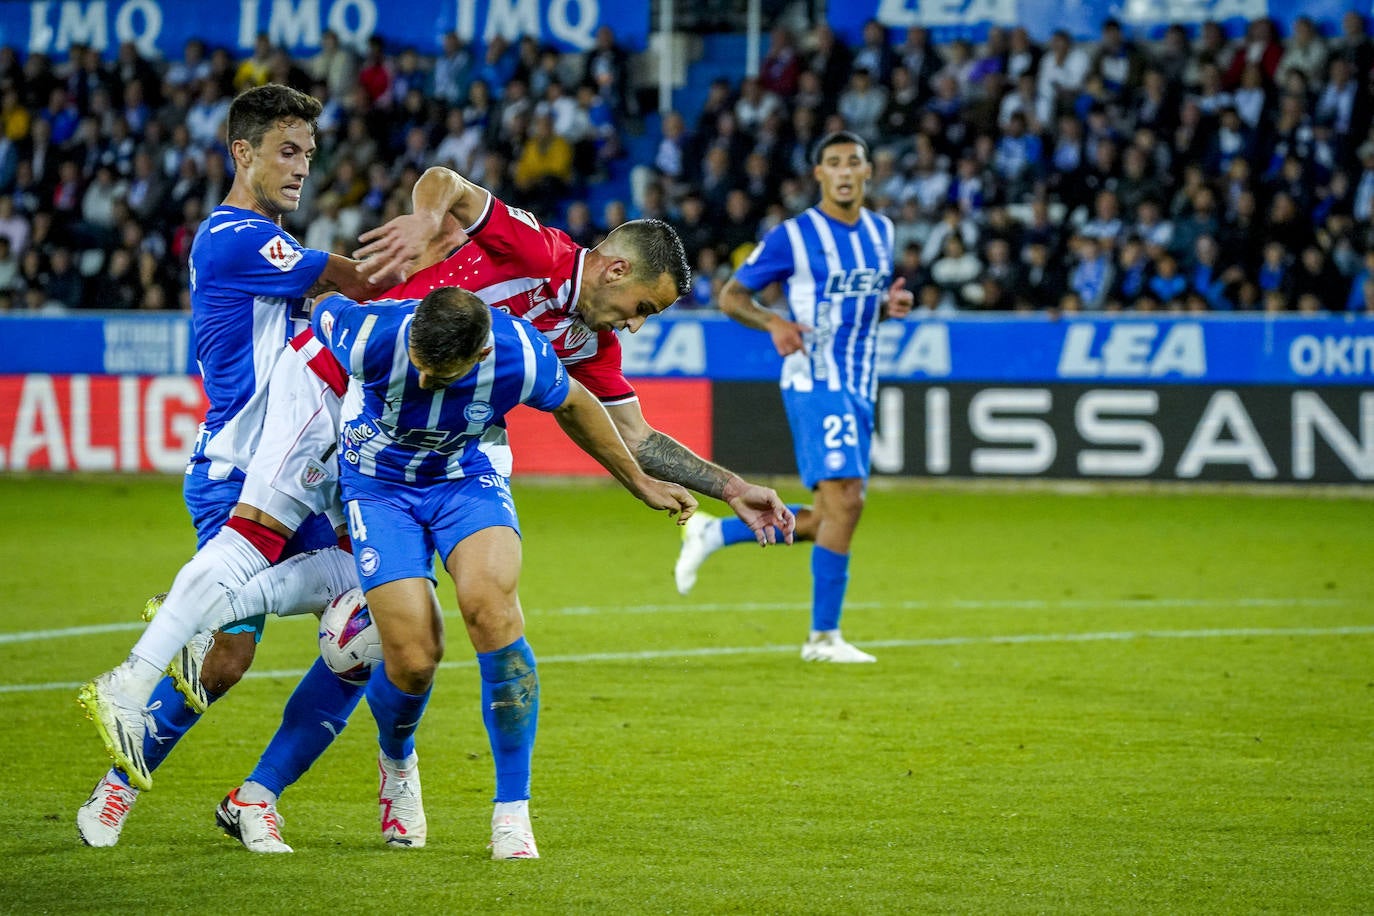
[{"x": 349, "y": 644}]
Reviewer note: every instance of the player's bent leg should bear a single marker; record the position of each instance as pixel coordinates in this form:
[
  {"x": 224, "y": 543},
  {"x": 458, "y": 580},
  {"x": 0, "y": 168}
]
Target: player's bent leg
[{"x": 101, "y": 819}]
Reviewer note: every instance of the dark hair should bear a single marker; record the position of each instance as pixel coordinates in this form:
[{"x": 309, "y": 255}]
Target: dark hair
[
  {"x": 834, "y": 139},
  {"x": 450, "y": 326},
  {"x": 256, "y": 111},
  {"x": 657, "y": 250}
]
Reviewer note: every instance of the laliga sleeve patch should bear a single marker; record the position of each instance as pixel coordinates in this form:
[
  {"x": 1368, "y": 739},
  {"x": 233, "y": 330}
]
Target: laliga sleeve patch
[{"x": 280, "y": 255}]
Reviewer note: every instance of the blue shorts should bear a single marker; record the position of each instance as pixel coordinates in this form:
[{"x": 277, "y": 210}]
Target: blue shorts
[
  {"x": 396, "y": 528},
  {"x": 832, "y": 434},
  {"x": 210, "y": 503}
]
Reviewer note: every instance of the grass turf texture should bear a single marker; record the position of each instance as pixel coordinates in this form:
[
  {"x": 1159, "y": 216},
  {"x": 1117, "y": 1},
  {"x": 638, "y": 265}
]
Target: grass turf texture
[{"x": 1156, "y": 702}]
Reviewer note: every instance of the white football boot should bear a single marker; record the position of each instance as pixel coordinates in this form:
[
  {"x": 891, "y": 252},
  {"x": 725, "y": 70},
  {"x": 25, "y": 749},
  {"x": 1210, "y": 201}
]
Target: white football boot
[
  {"x": 512, "y": 838},
  {"x": 829, "y": 646},
  {"x": 398, "y": 799},
  {"x": 700, "y": 539},
  {"x": 100, "y": 820},
  {"x": 121, "y": 721},
  {"x": 256, "y": 825}
]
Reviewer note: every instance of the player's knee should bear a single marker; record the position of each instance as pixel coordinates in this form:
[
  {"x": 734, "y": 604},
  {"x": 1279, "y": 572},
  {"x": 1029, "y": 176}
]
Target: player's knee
[
  {"x": 488, "y": 619},
  {"x": 412, "y": 671},
  {"x": 227, "y": 660}
]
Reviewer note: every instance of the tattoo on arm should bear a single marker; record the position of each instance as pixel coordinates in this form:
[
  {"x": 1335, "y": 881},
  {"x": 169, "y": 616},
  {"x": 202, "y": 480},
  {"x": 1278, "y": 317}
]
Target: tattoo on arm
[
  {"x": 667, "y": 459},
  {"x": 320, "y": 287}
]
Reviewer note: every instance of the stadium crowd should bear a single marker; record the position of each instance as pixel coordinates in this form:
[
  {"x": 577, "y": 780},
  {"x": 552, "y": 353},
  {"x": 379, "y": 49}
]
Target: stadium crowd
[{"x": 1197, "y": 173}]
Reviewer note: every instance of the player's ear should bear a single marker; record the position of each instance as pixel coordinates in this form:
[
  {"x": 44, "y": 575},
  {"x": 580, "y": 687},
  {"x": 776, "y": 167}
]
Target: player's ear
[
  {"x": 241, "y": 151},
  {"x": 618, "y": 269}
]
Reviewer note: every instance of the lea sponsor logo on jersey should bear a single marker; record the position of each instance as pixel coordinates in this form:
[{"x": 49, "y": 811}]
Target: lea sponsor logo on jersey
[
  {"x": 859, "y": 281},
  {"x": 280, "y": 255}
]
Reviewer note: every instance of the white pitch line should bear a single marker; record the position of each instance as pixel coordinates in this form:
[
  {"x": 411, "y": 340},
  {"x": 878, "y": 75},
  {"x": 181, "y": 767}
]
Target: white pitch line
[
  {"x": 1029, "y": 604},
  {"x": 933, "y": 642}
]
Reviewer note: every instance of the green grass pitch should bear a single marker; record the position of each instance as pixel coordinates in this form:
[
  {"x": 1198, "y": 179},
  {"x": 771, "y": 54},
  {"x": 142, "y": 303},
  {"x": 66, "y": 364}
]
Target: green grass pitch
[{"x": 1127, "y": 702}]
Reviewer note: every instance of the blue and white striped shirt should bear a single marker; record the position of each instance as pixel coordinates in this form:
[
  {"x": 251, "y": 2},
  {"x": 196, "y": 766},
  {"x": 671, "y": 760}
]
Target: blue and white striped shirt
[
  {"x": 248, "y": 282},
  {"x": 395, "y": 430},
  {"x": 835, "y": 277}
]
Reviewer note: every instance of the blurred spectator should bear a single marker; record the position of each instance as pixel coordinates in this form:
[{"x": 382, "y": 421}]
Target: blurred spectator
[
  {"x": 831, "y": 61},
  {"x": 544, "y": 171},
  {"x": 1304, "y": 52},
  {"x": 64, "y": 282},
  {"x": 14, "y": 226},
  {"x": 781, "y": 66},
  {"x": 255, "y": 69},
  {"x": 874, "y": 53},
  {"x": 580, "y": 227},
  {"x": 1061, "y": 72},
  {"x": 374, "y": 76},
  {"x": 607, "y": 67}
]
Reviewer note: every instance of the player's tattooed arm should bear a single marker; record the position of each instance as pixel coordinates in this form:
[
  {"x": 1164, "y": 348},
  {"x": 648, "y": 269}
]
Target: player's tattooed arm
[{"x": 667, "y": 459}]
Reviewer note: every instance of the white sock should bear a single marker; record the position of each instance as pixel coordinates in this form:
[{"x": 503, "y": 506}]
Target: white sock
[
  {"x": 520, "y": 809},
  {"x": 255, "y": 793},
  {"x": 303, "y": 584},
  {"x": 199, "y": 595},
  {"x": 408, "y": 764},
  {"x": 137, "y": 678}
]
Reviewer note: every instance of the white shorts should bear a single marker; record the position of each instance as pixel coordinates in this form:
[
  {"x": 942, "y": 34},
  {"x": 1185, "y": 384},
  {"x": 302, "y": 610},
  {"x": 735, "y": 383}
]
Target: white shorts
[{"x": 295, "y": 471}]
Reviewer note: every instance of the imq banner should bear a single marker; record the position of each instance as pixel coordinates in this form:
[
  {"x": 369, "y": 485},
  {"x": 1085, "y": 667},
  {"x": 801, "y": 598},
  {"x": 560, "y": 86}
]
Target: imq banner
[{"x": 160, "y": 28}]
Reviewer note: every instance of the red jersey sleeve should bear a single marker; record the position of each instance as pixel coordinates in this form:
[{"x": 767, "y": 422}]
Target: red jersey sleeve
[
  {"x": 601, "y": 373},
  {"x": 509, "y": 235}
]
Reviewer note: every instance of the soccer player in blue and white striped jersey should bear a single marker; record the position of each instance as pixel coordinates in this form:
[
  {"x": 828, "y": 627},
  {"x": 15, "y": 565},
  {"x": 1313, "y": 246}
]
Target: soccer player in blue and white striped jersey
[
  {"x": 424, "y": 467},
  {"x": 834, "y": 262}
]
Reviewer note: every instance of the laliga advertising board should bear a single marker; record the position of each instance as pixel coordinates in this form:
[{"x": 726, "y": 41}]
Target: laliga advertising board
[{"x": 1248, "y": 397}]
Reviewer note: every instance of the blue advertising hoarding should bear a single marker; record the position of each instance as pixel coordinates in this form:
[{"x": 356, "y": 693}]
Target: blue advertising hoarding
[
  {"x": 970, "y": 19},
  {"x": 1203, "y": 350},
  {"x": 160, "y": 28}
]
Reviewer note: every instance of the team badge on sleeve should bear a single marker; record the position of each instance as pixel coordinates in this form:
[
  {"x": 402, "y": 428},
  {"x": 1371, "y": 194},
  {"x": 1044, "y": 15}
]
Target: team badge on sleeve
[{"x": 280, "y": 255}]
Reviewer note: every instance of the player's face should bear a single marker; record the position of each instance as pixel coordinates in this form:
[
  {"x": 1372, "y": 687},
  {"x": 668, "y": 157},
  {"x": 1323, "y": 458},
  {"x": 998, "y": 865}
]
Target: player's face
[
  {"x": 277, "y": 167},
  {"x": 843, "y": 174},
  {"x": 624, "y": 304}
]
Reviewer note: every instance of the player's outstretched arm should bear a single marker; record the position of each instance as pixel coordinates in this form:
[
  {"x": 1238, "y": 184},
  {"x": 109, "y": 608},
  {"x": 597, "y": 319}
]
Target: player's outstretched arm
[
  {"x": 667, "y": 459},
  {"x": 585, "y": 421},
  {"x": 393, "y": 246}
]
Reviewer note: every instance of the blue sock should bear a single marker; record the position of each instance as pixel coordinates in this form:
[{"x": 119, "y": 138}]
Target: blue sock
[
  {"x": 734, "y": 531},
  {"x": 829, "y": 578},
  {"x": 397, "y": 713},
  {"x": 317, "y": 711},
  {"x": 173, "y": 719},
  {"x": 510, "y": 711}
]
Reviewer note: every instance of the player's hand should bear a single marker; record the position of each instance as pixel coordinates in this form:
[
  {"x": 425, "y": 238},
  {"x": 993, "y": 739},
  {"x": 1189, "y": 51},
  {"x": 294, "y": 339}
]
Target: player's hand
[
  {"x": 390, "y": 250},
  {"x": 670, "y": 497},
  {"x": 787, "y": 335},
  {"x": 764, "y": 512},
  {"x": 900, "y": 300}
]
